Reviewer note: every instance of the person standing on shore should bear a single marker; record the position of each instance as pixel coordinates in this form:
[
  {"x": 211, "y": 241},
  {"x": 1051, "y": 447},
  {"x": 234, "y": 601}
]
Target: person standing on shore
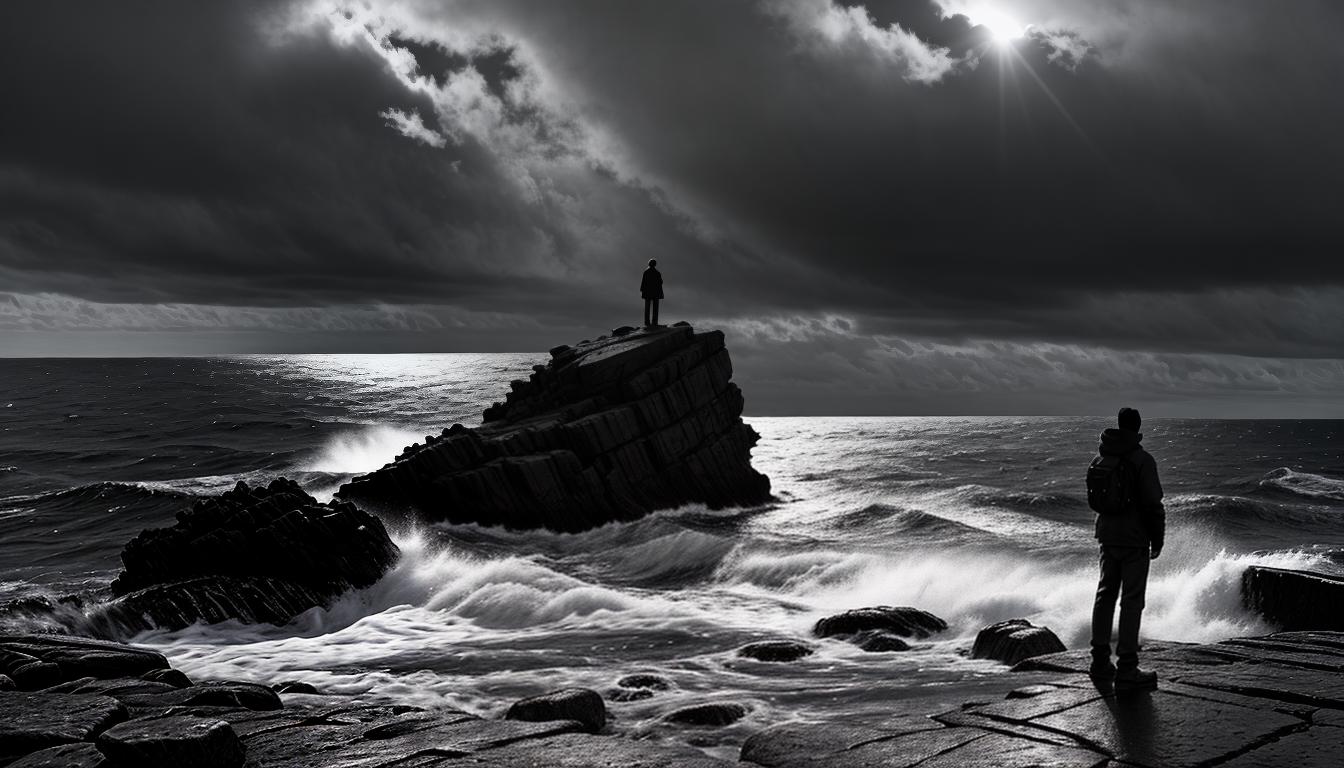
[
  {"x": 651, "y": 288},
  {"x": 1124, "y": 490}
]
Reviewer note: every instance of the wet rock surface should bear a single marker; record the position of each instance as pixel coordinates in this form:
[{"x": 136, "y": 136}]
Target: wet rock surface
[
  {"x": 33, "y": 721},
  {"x": 257, "y": 555},
  {"x": 134, "y": 722},
  {"x": 1294, "y": 600},
  {"x": 578, "y": 704},
  {"x": 169, "y": 742},
  {"x": 723, "y": 713},
  {"x": 1266, "y": 701},
  {"x": 1271, "y": 701},
  {"x": 81, "y": 755},
  {"x": 41, "y": 661},
  {"x": 608, "y": 430},
  {"x": 880, "y": 629},
  {"x": 775, "y": 650},
  {"x": 1013, "y": 641}
]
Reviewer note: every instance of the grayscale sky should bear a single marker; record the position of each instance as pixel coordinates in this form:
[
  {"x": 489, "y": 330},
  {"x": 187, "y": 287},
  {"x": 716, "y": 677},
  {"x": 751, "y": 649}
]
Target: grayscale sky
[{"x": 901, "y": 206}]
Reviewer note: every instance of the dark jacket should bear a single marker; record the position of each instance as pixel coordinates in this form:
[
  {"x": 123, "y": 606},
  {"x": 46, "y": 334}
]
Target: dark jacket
[
  {"x": 651, "y": 287},
  {"x": 1147, "y": 524}
]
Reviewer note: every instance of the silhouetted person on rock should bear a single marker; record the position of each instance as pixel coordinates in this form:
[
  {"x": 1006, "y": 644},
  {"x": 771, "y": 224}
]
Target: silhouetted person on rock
[
  {"x": 1123, "y": 488},
  {"x": 651, "y": 288}
]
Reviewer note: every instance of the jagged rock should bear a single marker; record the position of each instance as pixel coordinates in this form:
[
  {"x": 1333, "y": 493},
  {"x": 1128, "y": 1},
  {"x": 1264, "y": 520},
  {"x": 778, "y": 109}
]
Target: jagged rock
[
  {"x": 578, "y": 704},
  {"x": 174, "y": 677},
  {"x": 1014, "y": 640},
  {"x": 645, "y": 680},
  {"x": 81, "y": 755},
  {"x": 1294, "y": 600},
  {"x": 251, "y": 554},
  {"x": 608, "y": 430},
  {"x": 294, "y": 686},
  {"x": 708, "y": 714},
  {"x": 33, "y": 721},
  {"x": 775, "y": 650},
  {"x": 171, "y": 742},
  {"x": 902, "y": 622}
]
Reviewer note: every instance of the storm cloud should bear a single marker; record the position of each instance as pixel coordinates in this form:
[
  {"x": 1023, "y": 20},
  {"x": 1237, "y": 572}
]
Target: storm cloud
[{"x": 1153, "y": 181}]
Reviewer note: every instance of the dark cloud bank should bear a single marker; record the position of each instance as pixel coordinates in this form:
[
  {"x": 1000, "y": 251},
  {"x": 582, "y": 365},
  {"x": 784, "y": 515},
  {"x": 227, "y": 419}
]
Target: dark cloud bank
[{"x": 890, "y": 210}]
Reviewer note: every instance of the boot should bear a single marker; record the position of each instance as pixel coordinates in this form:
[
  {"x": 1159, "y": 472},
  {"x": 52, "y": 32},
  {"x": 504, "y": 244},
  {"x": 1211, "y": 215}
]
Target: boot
[
  {"x": 1101, "y": 669},
  {"x": 1135, "y": 680}
]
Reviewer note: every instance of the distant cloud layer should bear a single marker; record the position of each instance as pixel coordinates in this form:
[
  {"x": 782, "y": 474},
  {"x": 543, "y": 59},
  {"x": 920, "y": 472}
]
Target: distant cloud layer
[{"x": 1155, "y": 182}]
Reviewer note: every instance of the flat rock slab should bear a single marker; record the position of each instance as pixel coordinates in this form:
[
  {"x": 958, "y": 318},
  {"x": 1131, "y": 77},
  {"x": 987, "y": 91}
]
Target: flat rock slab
[
  {"x": 901, "y": 751},
  {"x": 1000, "y": 751},
  {"x": 172, "y": 742},
  {"x": 1021, "y": 710},
  {"x": 33, "y": 721},
  {"x": 222, "y": 694},
  {"x": 386, "y": 740},
  {"x": 1158, "y": 728},
  {"x": 576, "y": 751},
  {"x": 1272, "y": 680},
  {"x": 1315, "y": 748},
  {"x": 81, "y": 755},
  {"x": 783, "y": 743}
]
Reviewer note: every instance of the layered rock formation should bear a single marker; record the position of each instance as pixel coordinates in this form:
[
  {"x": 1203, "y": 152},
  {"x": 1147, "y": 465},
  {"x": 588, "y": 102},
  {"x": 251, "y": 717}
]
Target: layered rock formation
[
  {"x": 608, "y": 430},
  {"x": 1294, "y": 600},
  {"x": 252, "y": 554}
]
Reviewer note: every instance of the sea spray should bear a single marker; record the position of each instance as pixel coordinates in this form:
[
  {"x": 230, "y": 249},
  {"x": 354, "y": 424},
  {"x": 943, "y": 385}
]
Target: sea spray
[{"x": 362, "y": 449}]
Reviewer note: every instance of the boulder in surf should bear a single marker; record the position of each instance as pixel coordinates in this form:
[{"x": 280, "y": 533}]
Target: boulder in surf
[
  {"x": 578, "y": 704},
  {"x": 256, "y": 555},
  {"x": 1294, "y": 600},
  {"x": 1014, "y": 640},
  {"x": 902, "y": 621}
]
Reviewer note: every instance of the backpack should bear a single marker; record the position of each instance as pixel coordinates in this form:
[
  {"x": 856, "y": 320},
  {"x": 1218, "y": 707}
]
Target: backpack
[{"x": 1112, "y": 485}]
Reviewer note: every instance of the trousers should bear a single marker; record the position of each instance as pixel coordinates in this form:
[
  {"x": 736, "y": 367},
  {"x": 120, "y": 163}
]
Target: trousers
[
  {"x": 1124, "y": 575},
  {"x": 650, "y": 304}
]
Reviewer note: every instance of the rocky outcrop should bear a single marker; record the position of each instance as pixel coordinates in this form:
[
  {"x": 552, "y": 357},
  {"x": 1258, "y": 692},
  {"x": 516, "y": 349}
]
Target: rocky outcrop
[
  {"x": 607, "y": 430},
  {"x": 1295, "y": 600},
  {"x": 1014, "y": 640},
  {"x": 42, "y": 661},
  {"x": 132, "y": 722},
  {"x": 880, "y": 629},
  {"x": 251, "y": 554}
]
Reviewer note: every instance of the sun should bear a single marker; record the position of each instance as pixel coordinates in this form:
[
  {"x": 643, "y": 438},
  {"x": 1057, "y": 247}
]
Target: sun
[{"x": 1003, "y": 28}]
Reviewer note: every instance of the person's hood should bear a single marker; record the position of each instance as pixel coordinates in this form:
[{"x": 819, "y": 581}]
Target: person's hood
[{"x": 1118, "y": 442}]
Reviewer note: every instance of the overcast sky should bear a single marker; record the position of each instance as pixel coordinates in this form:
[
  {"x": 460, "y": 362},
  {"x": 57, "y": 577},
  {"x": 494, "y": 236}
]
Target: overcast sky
[{"x": 904, "y": 206}]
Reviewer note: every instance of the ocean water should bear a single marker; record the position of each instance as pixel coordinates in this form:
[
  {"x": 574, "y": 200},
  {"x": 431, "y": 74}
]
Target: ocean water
[{"x": 974, "y": 519}]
